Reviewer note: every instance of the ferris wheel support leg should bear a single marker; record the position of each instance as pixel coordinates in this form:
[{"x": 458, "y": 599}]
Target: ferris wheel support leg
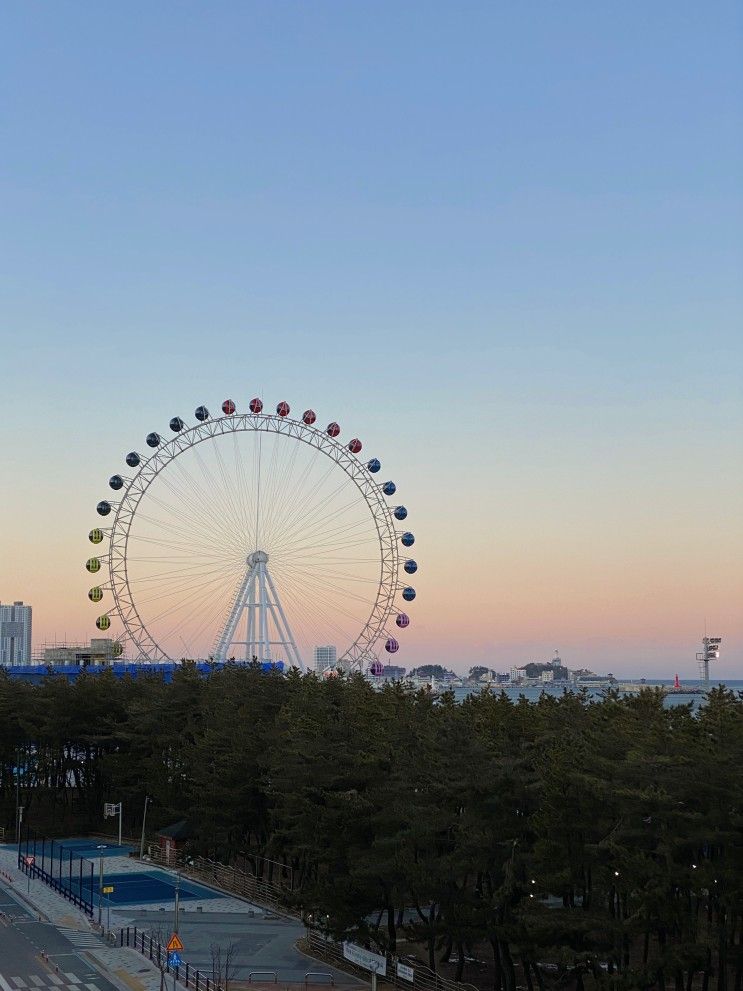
[
  {"x": 250, "y": 651},
  {"x": 265, "y": 646},
  {"x": 228, "y": 631},
  {"x": 283, "y": 626}
]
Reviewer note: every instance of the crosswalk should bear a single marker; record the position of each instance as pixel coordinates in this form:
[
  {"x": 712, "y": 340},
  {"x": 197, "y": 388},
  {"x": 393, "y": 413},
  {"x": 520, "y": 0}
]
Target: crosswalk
[
  {"x": 80, "y": 937},
  {"x": 46, "y": 982}
]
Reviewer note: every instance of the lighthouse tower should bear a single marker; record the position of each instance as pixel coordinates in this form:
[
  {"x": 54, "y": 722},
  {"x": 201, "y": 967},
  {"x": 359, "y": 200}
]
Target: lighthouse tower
[{"x": 710, "y": 652}]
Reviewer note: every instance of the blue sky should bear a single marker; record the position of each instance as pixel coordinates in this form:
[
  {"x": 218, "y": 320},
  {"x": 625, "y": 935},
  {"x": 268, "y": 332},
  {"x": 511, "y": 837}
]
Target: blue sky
[{"x": 503, "y": 239}]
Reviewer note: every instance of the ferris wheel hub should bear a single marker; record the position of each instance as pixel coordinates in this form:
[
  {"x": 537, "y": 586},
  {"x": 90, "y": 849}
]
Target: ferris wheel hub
[{"x": 257, "y": 557}]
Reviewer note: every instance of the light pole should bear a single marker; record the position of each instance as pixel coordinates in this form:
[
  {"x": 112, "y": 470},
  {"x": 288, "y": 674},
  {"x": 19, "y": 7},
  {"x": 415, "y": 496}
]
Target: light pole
[
  {"x": 18, "y": 807},
  {"x": 101, "y": 846},
  {"x": 147, "y": 801}
]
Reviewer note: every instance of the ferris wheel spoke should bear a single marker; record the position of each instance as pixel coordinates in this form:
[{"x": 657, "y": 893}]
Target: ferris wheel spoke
[
  {"x": 153, "y": 595},
  {"x": 305, "y": 512},
  {"x": 188, "y": 492},
  {"x": 334, "y": 514},
  {"x": 186, "y": 545},
  {"x": 181, "y": 532},
  {"x": 312, "y": 629},
  {"x": 270, "y": 485},
  {"x": 232, "y": 492},
  {"x": 163, "y": 604},
  {"x": 189, "y": 495},
  {"x": 244, "y": 488},
  {"x": 337, "y": 537},
  {"x": 301, "y": 512},
  {"x": 209, "y": 603},
  {"x": 219, "y": 503},
  {"x": 300, "y": 484},
  {"x": 193, "y": 572},
  {"x": 322, "y": 520},
  {"x": 317, "y": 607},
  {"x": 306, "y": 576}
]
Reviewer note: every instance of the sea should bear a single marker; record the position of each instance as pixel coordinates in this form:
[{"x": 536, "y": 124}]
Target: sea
[{"x": 533, "y": 692}]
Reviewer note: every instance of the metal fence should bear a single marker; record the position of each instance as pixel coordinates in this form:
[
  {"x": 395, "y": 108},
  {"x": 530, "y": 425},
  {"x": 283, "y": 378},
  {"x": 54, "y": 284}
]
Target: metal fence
[
  {"x": 51, "y": 862},
  {"x": 157, "y": 953},
  {"x": 230, "y": 879},
  {"x": 423, "y": 978}
]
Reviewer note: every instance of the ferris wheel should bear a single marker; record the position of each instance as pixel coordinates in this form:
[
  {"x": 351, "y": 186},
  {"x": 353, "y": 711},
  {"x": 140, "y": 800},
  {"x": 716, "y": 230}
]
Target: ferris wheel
[{"x": 253, "y": 536}]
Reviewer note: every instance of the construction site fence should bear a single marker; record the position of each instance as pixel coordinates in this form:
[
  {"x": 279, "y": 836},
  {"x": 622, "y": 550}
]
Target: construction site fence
[
  {"x": 424, "y": 979},
  {"x": 230, "y": 879}
]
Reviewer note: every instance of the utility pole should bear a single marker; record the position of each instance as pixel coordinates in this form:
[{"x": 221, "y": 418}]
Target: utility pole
[
  {"x": 144, "y": 820},
  {"x": 175, "y": 920},
  {"x": 18, "y": 795},
  {"x": 100, "y": 890}
]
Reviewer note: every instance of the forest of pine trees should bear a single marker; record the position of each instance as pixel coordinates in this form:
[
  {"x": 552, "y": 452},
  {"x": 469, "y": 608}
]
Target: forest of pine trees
[{"x": 574, "y": 842}]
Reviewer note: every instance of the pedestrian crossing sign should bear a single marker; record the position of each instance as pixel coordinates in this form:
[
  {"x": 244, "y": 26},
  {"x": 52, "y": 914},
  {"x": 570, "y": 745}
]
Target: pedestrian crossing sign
[{"x": 174, "y": 943}]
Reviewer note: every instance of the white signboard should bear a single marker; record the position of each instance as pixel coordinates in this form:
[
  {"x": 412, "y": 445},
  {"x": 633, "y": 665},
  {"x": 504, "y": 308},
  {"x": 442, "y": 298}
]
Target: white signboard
[
  {"x": 365, "y": 958},
  {"x": 405, "y": 972}
]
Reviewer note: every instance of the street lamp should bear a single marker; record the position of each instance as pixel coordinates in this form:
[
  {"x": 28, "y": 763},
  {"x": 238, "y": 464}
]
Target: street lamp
[
  {"x": 147, "y": 801},
  {"x": 100, "y": 846}
]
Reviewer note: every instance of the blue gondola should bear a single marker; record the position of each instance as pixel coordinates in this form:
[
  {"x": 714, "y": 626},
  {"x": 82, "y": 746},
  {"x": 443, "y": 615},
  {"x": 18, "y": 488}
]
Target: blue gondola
[
  {"x": 408, "y": 594},
  {"x": 400, "y": 512},
  {"x": 407, "y": 539},
  {"x": 411, "y": 566},
  {"x": 374, "y": 465},
  {"x": 389, "y": 488}
]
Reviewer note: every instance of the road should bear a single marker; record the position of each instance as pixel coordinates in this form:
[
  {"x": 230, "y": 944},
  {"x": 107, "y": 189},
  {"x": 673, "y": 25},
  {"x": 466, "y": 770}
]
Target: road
[
  {"x": 22, "y": 940},
  {"x": 262, "y": 945}
]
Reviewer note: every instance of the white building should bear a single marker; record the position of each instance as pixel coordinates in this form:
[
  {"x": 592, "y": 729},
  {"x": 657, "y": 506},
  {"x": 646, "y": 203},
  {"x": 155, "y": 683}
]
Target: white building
[
  {"x": 325, "y": 657},
  {"x": 15, "y": 634},
  {"x": 99, "y": 651},
  {"x": 547, "y": 675},
  {"x": 516, "y": 674}
]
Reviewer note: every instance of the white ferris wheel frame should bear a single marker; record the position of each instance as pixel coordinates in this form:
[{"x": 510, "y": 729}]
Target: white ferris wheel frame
[{"x": 361, "y": 651}]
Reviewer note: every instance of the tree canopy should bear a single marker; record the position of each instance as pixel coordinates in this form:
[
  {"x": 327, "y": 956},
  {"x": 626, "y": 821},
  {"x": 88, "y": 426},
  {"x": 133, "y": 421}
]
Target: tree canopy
[{"x": 576, "y": 842}]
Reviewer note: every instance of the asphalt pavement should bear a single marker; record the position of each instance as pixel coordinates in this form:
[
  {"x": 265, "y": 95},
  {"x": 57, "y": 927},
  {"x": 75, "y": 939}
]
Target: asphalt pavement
[
  {"x": 261, "y": 945},
  {"x": 38, "y": 956}
]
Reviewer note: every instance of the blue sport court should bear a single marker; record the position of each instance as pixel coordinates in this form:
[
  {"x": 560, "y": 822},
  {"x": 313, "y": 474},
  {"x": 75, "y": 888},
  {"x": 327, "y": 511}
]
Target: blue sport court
[
  {"x": 76, "y": 865},
  {"x": 143, "y": 888}
]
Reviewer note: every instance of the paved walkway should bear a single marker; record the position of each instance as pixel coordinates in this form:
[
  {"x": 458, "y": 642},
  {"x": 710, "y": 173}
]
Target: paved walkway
[
  {"x": 264, "y": 942},
  {"x": 125, "y": 968}
]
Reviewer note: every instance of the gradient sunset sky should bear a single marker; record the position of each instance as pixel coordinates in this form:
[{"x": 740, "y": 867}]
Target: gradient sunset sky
[{"x": 501, "y": 242}]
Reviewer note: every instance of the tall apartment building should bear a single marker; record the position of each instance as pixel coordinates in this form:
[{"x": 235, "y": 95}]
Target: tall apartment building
[
  {"x": 325, "y": 657},
  {"x": 15, "y": 634}
]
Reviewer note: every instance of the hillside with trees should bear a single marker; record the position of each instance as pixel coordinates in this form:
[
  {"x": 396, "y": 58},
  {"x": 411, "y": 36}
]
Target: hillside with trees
[{"x": 569, "y": 843}]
